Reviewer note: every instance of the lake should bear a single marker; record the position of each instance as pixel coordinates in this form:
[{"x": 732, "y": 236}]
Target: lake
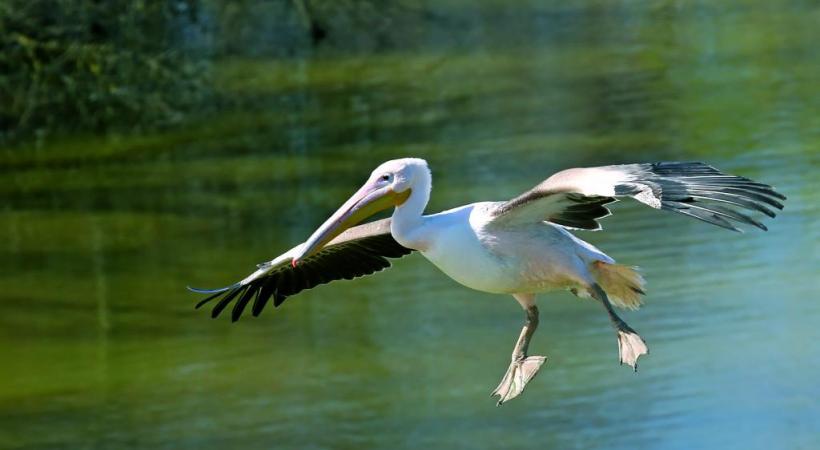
[{"x": 101, "y": 346}]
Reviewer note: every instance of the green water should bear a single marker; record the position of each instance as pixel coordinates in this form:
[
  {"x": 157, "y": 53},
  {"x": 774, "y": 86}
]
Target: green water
[{"x": 101, "y": 348}]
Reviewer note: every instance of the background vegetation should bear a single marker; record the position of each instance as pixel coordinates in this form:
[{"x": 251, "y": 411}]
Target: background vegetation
[
  {"x": 96, "y": 65},
  {"x": 127, "y": 65}
]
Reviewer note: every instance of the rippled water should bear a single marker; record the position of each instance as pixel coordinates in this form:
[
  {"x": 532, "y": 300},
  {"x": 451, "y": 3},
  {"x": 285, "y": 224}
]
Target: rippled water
[{"x": 101, "y": 348}]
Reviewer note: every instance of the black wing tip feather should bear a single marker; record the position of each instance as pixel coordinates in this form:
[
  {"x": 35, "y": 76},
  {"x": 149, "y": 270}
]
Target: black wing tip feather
[
  {"x": 357, "y": 259},
  {"x": 584, "y": 214},
  {"x": 240, "y": 304},
  {"x": 703, "y": 192},
  {"x": 226, "y": 300},
  {"x": 243, "y": 294}
]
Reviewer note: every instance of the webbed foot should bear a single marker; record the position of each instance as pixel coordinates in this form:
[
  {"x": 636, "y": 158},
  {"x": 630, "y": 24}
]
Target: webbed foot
[
  {"x": 518, "y": 375},
  {"x": 630, "y": 347}
]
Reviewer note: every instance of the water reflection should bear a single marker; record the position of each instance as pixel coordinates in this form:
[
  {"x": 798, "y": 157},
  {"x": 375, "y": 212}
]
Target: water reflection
[{"x": 101, "y": 348}]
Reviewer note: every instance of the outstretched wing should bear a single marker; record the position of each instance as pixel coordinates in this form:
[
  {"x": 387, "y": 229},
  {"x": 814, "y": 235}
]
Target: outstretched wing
[
  {"x": 577, "y": 198},
  {"x": 358, "y": 251}
]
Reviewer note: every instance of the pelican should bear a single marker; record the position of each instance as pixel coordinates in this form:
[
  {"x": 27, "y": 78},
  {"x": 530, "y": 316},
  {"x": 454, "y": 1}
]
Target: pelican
[{"x": 521, "y": 247}]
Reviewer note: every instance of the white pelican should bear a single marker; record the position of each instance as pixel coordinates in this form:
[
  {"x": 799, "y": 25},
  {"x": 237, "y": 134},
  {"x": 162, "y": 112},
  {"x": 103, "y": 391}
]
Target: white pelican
[{"x": 520, "y": 247}]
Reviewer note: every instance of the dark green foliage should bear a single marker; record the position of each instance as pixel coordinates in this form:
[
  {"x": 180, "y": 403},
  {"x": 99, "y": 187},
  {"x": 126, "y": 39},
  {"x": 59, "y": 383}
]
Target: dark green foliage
[{"x": 92, "y": 65}]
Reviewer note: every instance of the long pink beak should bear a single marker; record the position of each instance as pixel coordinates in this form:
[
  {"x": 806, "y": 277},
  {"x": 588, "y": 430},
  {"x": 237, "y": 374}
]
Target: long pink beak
[{"x": 368, "y": 200}]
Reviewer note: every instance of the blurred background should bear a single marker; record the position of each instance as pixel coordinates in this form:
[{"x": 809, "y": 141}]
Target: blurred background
[{"x": 149, "y": 145}]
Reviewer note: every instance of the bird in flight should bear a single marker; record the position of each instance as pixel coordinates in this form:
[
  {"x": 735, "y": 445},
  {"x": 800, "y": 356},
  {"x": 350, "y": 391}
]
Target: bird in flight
[{"x": 521, "y": 247}]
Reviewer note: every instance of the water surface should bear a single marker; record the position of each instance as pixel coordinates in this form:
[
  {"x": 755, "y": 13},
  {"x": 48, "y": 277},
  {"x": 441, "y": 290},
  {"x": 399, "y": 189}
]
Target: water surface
[{"x": 101, "y": 348}]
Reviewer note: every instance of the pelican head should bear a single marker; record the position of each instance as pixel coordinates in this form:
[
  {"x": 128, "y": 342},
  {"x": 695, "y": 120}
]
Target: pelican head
[{"x": 390, "y": 185}]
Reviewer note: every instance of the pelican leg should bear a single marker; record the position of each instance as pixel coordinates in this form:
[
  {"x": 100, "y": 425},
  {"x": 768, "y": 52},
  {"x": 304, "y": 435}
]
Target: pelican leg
[
  {"x": 522, "y": 367},
  {"x": 630, "y": 345}
]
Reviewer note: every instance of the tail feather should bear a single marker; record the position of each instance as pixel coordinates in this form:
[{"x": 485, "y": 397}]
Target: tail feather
[{"x": 623, "y": 284}]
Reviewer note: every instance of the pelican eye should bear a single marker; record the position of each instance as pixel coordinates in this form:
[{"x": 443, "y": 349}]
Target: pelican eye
[{"x": 386, "y": 177}]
